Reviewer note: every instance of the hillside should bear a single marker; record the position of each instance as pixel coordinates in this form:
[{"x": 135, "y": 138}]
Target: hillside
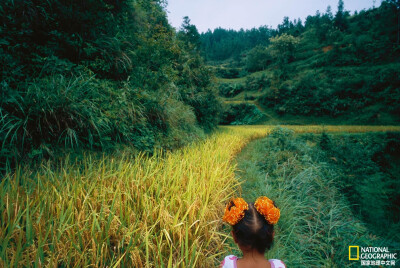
[
  {"x": 342, "y": 67},
  {"x": 98, "y": 76}
]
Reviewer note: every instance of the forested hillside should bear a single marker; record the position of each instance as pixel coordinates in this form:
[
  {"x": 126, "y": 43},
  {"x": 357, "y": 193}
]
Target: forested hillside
[
  {"x": 333, "y": 65},
  {"x": 96, "y": 74}
]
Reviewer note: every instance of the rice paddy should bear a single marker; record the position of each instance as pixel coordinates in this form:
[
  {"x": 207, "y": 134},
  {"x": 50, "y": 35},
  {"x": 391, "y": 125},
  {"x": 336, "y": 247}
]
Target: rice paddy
[{"x": 162, "y": 210}]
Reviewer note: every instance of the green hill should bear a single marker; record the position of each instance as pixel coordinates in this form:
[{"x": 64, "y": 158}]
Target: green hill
[{"x": 343, "y": 67}]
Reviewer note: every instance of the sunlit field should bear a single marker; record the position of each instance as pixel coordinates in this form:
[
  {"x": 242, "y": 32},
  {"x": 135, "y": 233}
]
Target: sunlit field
[
  {"x": 319, "y": 128},
  {"x": 157, "y": 211}
]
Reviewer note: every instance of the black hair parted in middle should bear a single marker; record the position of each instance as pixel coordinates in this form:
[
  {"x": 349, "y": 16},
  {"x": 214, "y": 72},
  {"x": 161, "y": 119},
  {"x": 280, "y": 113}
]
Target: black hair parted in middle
[{"x": 253, "y": 231}]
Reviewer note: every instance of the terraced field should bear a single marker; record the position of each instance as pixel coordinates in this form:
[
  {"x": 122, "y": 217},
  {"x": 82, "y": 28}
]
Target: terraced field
[{"x": 156, "y": 211}]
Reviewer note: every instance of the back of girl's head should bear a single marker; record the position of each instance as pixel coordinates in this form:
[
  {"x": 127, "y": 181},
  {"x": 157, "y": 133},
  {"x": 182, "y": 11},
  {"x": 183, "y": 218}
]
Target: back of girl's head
[
  {"x": 253, "y": 223},
  {"x": 253, "y": 231}
]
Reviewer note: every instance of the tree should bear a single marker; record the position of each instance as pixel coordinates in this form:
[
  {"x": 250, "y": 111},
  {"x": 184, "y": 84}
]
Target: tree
[
  {"x": 285, "y": 26},
  {"x": 340, "y": 18},
  {"x": 397, "y": 4},
  {"x": 257, "y": 59},
  {"x": 189, "y": 34},
  {"x": 283, "y": 47},
  {"x": 328, "y": 12}
]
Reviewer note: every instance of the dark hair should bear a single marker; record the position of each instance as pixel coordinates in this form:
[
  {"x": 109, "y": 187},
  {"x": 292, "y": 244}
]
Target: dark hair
[{"x": 253, "y": 231}]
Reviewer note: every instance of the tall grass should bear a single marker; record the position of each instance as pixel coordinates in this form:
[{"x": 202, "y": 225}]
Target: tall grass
[
  {"x": 117, "y": 211},
  {"x": 158, "y": 211},
  {"x": 317, "y": 221}
]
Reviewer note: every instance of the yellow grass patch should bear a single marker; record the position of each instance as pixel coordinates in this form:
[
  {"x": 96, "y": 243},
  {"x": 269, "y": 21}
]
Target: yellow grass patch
[
  {"x": 156, "y": 211},
  {"x": 320, "y": 128}
]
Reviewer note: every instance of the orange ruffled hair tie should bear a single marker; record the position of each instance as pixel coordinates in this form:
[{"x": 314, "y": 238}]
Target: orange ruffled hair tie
[
  {"x": 234, "y": 213},
  {"x": 266, "y": 207}
]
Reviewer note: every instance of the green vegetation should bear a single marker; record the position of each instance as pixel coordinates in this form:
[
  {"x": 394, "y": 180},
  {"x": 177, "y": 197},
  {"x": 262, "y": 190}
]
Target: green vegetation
[
  {"x": 97, "y": 75},
  {"x": 334, "y": 191},
  {"x": 332, "y": 65},
  {"x": 221, "y": 44},
  {"x": 368, "y": 168},
  {"x": 110, "y": 155},
  {"x": 242, "y": 114}
]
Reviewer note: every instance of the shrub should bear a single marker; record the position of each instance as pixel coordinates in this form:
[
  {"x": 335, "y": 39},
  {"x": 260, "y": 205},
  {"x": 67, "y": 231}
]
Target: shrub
[
  {"x": 57, "y": 111},
  {"x": 228, "y": 72},
  {"x": 258, "y": 59},
  {"x": 257, "y": 83},
  {"x": 230, "y": 90},
  {"x": 241, "y": 114}
]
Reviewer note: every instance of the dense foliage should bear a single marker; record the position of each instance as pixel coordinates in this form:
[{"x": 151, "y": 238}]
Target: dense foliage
[
  {"x": 333, "y": 64},
  {"x": 241, "y": 114},
  {"x": 368, "y": 165},
  {"x": 94, "y": 74},
  {"x": 221, "y": 44}
]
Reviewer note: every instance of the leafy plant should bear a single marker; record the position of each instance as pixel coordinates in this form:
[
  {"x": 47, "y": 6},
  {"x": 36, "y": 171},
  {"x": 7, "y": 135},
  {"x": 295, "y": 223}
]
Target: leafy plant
[{"x": 241, "y": 114}]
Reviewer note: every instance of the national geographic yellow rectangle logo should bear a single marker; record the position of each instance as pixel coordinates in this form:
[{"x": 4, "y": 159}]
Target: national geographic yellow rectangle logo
[{"x": 351, "y": 256}]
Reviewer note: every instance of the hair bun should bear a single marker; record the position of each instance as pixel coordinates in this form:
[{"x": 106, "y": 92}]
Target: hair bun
[
  {"x": 266, "y": 207},
  {"x": 234, "y": 211}
]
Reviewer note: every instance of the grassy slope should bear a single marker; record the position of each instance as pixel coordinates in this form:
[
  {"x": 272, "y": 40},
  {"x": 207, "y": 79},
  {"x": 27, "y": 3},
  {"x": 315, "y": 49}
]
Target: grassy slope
[{"x": 317, "y": 224}]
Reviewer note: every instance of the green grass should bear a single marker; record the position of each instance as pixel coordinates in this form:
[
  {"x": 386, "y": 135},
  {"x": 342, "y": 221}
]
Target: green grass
[
  {"x": 317, "y": 223},
  {"x": 243, "y": 79},
  {"x": 241, "y": 96}
]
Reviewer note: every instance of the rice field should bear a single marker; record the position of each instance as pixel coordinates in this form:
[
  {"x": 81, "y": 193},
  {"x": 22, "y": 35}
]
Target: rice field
[
  {"x": 322, "y": 128},
  {"x": 162, "y": 210},
  {"x": 158, "y": 211}
]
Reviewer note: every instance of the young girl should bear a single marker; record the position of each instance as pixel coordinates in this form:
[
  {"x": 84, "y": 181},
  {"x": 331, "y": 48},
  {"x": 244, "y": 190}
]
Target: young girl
[{"x": 253, "y": 231}]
